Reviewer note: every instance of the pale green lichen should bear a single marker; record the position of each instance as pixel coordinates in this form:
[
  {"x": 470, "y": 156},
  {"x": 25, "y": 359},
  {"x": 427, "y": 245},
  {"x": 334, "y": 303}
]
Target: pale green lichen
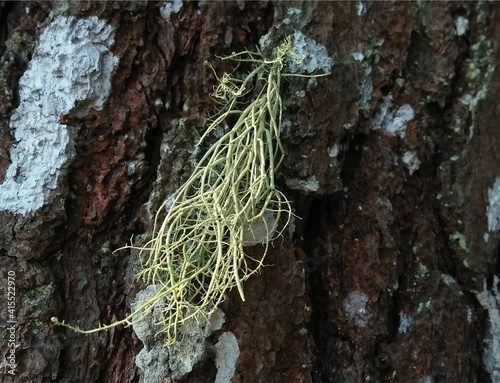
[
  {"x": 479, "y": 69},
  {"x": 422, "y": 271},
  {"x": 61, "y": 9},
  {"x": 38, "y": 296},
  {"x": 423, "y": 306},
  {"x": 18, "y": 49},
  {"x": 449, "y": 280},
  {"x": 196, "y": 253},
  {"x": 460, "y": 240}
]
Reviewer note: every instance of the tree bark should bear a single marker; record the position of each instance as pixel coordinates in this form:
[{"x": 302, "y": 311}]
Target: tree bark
[{"x": 389, "y": 272}]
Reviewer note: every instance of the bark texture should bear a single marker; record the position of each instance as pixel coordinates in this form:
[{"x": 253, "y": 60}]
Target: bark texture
[{"x": 389, "y": 271}]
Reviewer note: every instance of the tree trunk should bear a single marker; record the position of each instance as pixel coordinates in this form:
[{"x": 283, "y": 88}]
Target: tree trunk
[{"x": 388, "y": 272}]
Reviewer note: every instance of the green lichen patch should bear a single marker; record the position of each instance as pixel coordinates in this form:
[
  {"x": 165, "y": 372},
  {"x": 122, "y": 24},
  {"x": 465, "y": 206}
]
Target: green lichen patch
[
  {"x": 18, "y": 49},
  {"x": 39, "y": 296}
]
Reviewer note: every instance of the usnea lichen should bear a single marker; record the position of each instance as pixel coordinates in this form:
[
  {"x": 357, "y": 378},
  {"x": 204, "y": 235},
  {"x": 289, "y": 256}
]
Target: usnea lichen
[{"x": 196, "y": 254}]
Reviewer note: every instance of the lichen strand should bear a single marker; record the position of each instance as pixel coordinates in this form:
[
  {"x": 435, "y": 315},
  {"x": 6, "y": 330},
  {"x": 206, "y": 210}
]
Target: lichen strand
[{"x": 196, "y": 254}]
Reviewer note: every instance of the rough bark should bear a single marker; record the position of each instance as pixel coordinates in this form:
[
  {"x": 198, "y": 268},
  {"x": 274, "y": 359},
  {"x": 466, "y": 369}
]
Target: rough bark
[{"x": 389, "y": 271}]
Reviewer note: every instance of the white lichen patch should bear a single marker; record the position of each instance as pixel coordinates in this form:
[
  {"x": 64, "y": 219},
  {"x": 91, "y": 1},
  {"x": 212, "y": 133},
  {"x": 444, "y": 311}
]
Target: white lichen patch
[
  {"x": 490, "y": 300},
  {"x": 426, "y": 379},
  {"x": 358, "y": 56},
  {"x": 354, "y": 307},
  {"x": 70, "y": 71},
  {"x": 309, "y": 56},
  {"x": 311, "y": 185},
  {"x": 333, "y": 151},
  {"x": 361, "y": 8},
  {"x": 396, "y": 123},
  {"x": 493, "y": 209},
  {"x": 393, "y": 123},
  {"x": 411, "y": 161},
  {"x": 292, "y": 11},
  {"x": 405, "y": 323},
  {"x": 227, "y": 352},
  {"x": 169, "y": 8},
  {"x": 365, "y": 87},
  {"x": 461, "y": 25},
  {"x": 469, "y": 314},
  {"x": 159, "y": 363}
]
